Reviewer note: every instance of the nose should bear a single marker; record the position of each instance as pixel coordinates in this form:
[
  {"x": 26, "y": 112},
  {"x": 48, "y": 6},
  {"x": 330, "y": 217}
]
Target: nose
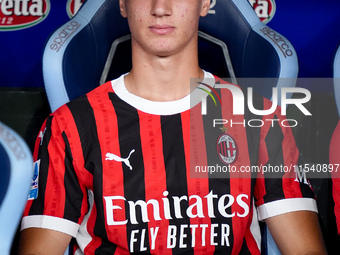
[{"x": 161, "y": 8}]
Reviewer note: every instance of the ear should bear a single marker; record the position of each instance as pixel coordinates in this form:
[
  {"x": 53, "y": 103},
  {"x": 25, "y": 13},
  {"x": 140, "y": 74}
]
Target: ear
[
  {"x": 122, "y": 8},
  {"x": 205, "y": 7}
]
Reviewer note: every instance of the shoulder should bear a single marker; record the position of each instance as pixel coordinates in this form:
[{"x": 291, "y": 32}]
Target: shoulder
[{"x": 79, "y": 110}]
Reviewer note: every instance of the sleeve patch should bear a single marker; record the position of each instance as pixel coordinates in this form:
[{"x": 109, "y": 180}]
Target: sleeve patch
[{"x": 33, "y": 193}]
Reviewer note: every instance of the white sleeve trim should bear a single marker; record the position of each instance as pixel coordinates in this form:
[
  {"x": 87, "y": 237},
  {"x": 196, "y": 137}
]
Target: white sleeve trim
[
  {"x": 282, "y": 206},
  {"x": 50, "y": 222}
]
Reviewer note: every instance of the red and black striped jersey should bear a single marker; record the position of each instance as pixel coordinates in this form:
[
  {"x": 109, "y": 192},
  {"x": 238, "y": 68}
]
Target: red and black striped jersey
[{"x": 125, "y": 175}]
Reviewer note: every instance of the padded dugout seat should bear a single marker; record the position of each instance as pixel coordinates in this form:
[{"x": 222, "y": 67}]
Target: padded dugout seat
[
  {"x": 93, "y": 47},
  {"x": 16, "y": 176}
]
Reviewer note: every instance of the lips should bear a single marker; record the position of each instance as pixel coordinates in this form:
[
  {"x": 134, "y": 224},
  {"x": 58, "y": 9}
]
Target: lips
[{"x": 162, "y": 29}]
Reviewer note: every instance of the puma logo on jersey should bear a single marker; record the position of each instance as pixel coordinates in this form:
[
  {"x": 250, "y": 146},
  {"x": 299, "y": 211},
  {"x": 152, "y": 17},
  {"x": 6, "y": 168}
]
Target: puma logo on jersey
[
  {"x": 111, "y": 156},
  {"x": 41, "y": 136}
]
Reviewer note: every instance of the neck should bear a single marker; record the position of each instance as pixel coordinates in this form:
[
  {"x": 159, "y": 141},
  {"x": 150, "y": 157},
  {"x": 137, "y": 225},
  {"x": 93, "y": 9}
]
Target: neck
[{"x": 159, "y": 78}]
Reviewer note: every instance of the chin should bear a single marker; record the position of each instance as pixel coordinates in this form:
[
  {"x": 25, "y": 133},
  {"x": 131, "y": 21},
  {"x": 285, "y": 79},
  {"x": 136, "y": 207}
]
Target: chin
[
  {"x": 166, "y": 51},
  {"x": 165, "y": 47},
  {"x": 163, "y": 53}
]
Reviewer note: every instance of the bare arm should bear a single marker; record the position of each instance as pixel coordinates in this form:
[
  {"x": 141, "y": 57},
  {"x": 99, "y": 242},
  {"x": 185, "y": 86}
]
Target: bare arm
[
  {"x": 39, "y": 241},
  {"x": 297, "y": 233}
]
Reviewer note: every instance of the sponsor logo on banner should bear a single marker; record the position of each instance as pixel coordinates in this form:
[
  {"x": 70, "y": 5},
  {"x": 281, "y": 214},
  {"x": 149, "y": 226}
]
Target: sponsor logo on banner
[
  {"x": 73, "y": 7},
  {"x": 265, "y": 9},
  {"x": 15, "y": 14}
]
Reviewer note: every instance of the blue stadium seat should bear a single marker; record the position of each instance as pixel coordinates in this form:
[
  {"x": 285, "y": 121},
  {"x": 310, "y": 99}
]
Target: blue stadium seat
[
  {"x": 16, "y": 175},
  {"x": 93, "y": 47}
]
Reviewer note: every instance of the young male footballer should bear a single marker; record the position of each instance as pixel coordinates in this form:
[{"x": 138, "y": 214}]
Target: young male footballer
[{"x": 114, "y": 165}]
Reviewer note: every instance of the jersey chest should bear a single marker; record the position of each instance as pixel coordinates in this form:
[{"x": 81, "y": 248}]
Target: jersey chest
[{"x": 151, "y": 200}]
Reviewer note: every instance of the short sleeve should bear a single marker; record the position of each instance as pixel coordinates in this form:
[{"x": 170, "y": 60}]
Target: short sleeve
[
  {"x": 57, "y": 199},
  {"x": 281, "y": 187}
]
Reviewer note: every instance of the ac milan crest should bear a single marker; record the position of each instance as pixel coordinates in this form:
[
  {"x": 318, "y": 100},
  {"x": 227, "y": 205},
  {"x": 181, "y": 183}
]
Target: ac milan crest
[{"x": 227, "y": 149}]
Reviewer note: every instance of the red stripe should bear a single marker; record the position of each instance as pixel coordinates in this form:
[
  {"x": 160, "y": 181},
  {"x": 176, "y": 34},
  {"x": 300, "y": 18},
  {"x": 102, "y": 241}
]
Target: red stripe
[
  {"x": 240, "y": 182},
  {"x": 195, "y": 154},
  {"x": 155, "y": 178},
  {"x": 38, "y": 141},
  {"x": 55, "y": 190},
  {"x": 107, "y": 131},
  {"x": 27, "y": 208},
  {"x": 96, "y": 241},
  {"x": 251, "y": 243}
]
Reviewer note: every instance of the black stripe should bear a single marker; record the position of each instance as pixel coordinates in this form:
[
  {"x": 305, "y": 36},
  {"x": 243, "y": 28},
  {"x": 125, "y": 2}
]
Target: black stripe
[
  {"x": 73, "y": 192},
  {"x": 244, "y": 249},
  {"x": 305, "y": 189},
  {"x": 37, "y": 207},
  {"x": 134, "y": 184},
  {"x": 219, "y": 183},
  {"x": 176, "y": 177},
  {"x": 221, "y": 187},
  {"x": 273, "y": 182}
]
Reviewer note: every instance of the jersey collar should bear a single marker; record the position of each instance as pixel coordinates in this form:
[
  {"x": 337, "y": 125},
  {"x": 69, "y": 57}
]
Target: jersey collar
[{"x": 160, "y": 108}]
